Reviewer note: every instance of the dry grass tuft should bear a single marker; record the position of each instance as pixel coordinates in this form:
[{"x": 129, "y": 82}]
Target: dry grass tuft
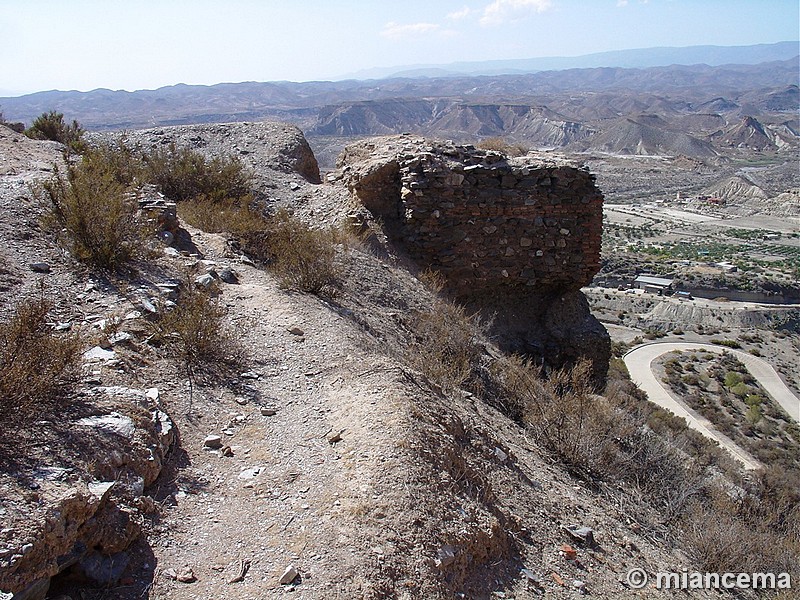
[
  {"x": 498, "y": 144},
  {"x": 235, "y": 216},
  {"x": 446, "y": 346}
]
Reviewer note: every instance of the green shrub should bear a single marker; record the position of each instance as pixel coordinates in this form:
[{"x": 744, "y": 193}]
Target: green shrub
[
  {"x": 94, "y": 213},
  {"x": 184, "y": 174},
  {"x": 742, "y": 390},
  {"x": 754, "y": 400},
  {"x": 690, "y": 379},
  {"x": 732, "y": 379},
  {"x": 618, "y": 349},
  {"x": 753, "y": 414},
  {"x": 51, "y": 126},
  {"x": 726, "y": 343},
  {"x": 37, "y": 366}
]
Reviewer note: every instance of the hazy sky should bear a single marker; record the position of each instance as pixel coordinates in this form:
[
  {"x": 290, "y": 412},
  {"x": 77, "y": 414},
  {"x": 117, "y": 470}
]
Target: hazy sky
[{"x": 145, "y": 44}]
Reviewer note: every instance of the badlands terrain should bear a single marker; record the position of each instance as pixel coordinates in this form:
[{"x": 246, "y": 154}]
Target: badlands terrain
[{"x": 369, "y": 439}]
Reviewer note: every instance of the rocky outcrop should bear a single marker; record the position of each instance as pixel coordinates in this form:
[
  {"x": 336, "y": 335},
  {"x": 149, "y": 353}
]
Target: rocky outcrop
[
  {"x": 276, "y": 146},
  {"x": 86, "y": 526},
  {"x": 514, "y": 238}
]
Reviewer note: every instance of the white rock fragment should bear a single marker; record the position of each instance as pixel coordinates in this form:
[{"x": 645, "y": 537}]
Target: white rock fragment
[
  {"x": 113, "y": 423},
  {"x": 99, "y": 354},
  {"x": 213, "y": 441},
  {"x": 250, "y": 473},
  {"x": 204, "y": 280},
  {"x": 100, "y": 488},
  {"x": 289, "y": 575}
]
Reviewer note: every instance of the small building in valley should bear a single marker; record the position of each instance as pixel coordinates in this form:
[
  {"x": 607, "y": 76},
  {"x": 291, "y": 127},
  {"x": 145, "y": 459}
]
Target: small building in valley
[{"x": 654, "y": 285}]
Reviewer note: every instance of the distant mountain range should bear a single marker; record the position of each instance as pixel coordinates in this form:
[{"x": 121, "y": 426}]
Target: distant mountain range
[
  {"x": 630, "y": 59},
  {"x": 693, "y": 110}
]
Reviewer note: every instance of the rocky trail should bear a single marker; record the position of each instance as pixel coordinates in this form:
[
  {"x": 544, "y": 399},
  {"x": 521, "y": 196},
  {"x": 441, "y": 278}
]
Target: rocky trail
[{"x": 325, "y": 466}]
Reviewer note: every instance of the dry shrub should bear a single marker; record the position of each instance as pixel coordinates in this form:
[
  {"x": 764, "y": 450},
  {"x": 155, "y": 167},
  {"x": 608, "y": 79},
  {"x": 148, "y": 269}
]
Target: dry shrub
[
  {"x": 737, "y": 535},
  {"x": 498, "y": 144},
  {"x": 95, "y": 213},
  {"x": 125, "y": 164},
  {"x": 301, "y": 257},
  {"x": 195, "y": 327},
  {"x": 759, "y": 529},
  {"x": 562, "y": 412},
  {"x": 590, "y": 434},
  {"x": 235, "y": 216},
  {"x": 184, "y": 174},
  {"x": 37, "y": 365},
  {"x": 446, "y": 345}
]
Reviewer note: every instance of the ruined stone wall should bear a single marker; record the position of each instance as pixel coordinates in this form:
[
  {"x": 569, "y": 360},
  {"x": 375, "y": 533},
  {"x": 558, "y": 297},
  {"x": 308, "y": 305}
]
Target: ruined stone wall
[
  {"x": 516, "y": 239},
  {"x": 483, "y": 221},
  {"x": 487, "y": 225}
]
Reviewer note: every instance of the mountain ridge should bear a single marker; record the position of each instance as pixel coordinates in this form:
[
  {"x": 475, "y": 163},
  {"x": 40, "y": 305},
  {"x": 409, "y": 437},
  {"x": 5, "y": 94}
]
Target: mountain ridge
[{"x": 711, "y": 55}]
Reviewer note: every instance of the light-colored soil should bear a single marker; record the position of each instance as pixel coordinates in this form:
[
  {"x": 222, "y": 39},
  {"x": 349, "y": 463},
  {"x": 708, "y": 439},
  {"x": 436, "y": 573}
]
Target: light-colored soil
[{"x": 368, "y": 479}]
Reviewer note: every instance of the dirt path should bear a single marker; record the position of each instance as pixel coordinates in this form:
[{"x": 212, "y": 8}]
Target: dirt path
[
  {"x": 639, "y": 362},
  {"x": 275, "y": 503}
]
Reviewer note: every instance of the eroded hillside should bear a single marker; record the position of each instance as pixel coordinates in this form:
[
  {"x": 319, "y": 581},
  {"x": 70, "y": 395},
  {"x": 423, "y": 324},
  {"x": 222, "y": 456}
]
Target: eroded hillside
[{"x": 332, "y": 460}]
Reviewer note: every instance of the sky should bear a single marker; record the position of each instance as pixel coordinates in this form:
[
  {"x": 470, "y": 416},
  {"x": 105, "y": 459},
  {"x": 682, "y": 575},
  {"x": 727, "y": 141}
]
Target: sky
[{"x": 145, "y": 44}]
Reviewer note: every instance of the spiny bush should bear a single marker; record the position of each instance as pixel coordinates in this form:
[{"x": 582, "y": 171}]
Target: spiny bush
[
  {"x": 195, "y": 327},
  {"x": 95, "y": 213},
  {"x": 37, "y": 365},
  {"x": 51, "y": 126},
  {"x": 183, "y": 174}
]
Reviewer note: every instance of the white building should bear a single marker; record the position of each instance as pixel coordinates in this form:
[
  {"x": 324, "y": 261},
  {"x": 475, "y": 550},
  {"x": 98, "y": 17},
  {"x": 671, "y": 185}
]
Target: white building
[{"x": 655, "y": 285}]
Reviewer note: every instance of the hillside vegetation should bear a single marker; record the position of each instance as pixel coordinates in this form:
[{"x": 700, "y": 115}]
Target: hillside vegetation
[{"x": 285, "y": 401}]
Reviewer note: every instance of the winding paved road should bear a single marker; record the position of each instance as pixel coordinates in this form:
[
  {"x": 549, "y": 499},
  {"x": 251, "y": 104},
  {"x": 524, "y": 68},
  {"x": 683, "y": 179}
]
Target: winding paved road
[{"x": 639, "y": 362}]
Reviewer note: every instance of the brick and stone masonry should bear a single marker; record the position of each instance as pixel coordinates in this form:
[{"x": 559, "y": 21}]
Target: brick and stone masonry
[{"x": 515, "y": 238}]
